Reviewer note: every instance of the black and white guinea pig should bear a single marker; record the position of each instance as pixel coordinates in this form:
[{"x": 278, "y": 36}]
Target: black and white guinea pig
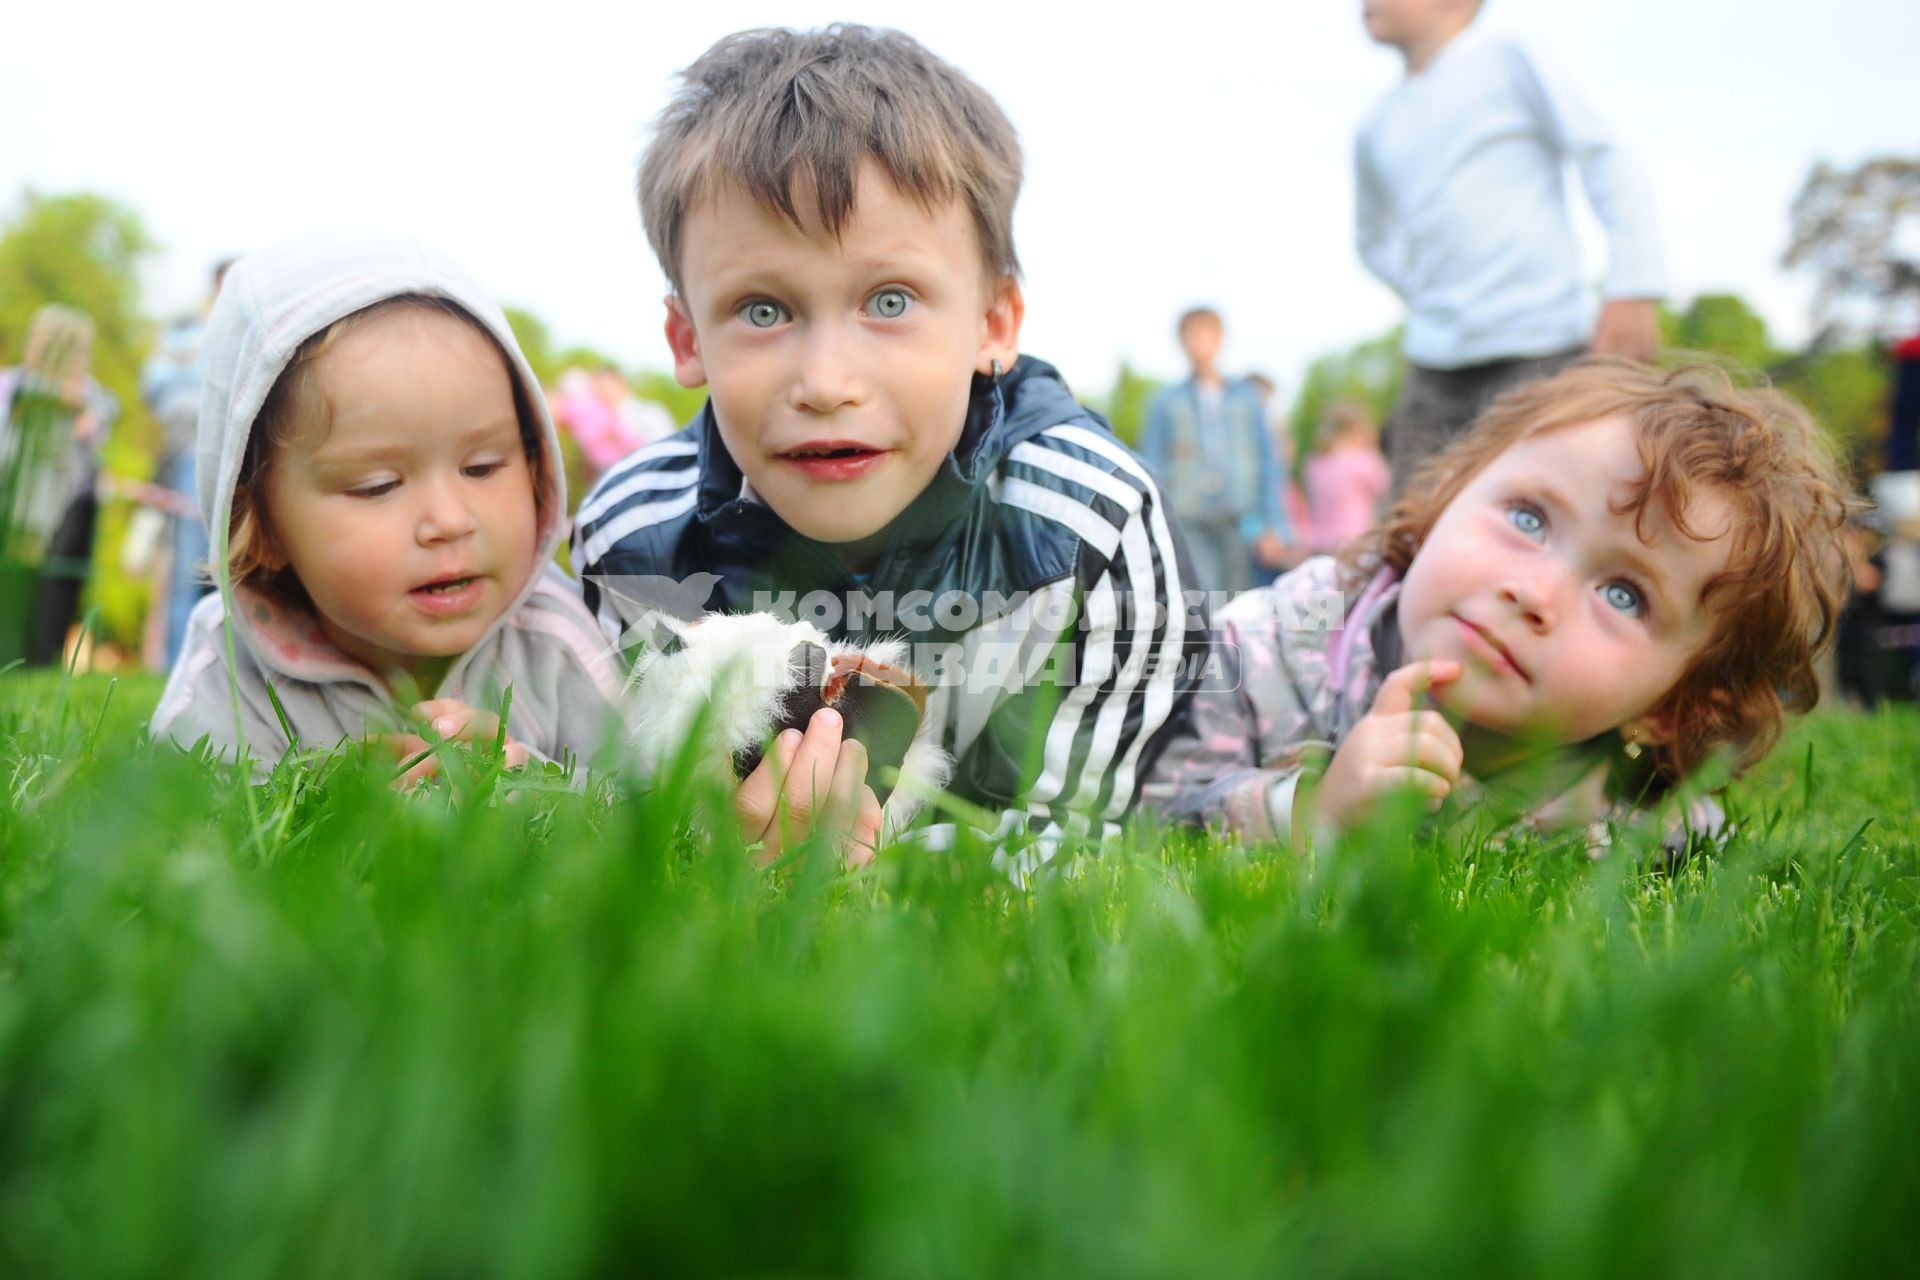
[{"x": 750, "y": 675}]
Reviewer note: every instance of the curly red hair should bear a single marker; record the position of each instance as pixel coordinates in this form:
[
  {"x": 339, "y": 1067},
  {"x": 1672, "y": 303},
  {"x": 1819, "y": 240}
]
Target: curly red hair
[{"x": 1774, "y": 606}]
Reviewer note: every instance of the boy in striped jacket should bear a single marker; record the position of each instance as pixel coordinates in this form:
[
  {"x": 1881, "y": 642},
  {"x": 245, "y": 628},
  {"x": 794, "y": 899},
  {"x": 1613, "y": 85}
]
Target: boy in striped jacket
[{"x": 833, "y": 211}]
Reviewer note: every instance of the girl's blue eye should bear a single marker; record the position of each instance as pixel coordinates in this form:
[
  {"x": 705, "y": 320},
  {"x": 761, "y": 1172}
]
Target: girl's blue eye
[
  {"x": 1527, "y": 520},
  {"x": 890, "y": 304},
  {"x": 380, "y": 490},
  {"x": 1623, "y": 596},
  {"x": 763, "y": 315},
  {"x": 481, "y": 470}
]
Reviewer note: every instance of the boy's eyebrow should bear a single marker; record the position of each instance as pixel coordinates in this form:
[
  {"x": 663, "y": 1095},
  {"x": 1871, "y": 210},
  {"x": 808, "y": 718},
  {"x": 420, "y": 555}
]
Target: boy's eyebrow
[{"x": 756, "y": 270}]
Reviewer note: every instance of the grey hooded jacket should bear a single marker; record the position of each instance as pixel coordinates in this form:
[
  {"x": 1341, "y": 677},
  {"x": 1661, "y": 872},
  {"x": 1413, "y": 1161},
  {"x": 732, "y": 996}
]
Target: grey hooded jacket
[{"x": 545, "y": 645}]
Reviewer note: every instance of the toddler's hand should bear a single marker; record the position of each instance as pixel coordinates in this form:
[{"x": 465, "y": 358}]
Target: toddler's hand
[
  {"x": 816, "y": 781},
  {"x": 453, "y": 719},
  {"x": 403, "y": 747},
  {"x": 1395, "y": 745}
]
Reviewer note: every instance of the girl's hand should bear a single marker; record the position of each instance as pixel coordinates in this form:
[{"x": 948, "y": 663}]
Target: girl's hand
[
  {"x": 403, "y": 747},
  {"x": 811, "y": 782},
  {"x": 454, "y": 720},
  {"x": 1394, "y": 745}
]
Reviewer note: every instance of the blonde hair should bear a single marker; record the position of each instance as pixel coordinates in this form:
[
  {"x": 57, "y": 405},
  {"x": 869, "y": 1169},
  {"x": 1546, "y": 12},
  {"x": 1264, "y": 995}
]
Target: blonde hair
[
  {"x": 763, "y": 110},
  {"x": 59, "y": 349},
  {"x": 297, "y": 407},
  {"x": 1774, "y": 606}
]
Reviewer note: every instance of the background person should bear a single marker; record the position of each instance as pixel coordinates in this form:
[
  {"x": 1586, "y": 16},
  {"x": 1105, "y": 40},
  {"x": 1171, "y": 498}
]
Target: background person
[
  {"x": 1207, "y": 440},
  {"x": 1346, "y": 478},
  {"x": 1461, "y": 207},
  {"x": 55, "y": 426}
]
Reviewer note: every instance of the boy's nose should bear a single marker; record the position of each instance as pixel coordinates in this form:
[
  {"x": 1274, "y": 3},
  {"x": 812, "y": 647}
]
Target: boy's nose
[{"x": 827, "y": 378}]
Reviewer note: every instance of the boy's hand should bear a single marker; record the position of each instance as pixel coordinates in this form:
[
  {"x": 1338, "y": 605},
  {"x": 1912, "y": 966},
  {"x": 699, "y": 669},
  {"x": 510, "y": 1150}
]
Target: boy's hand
[
  {"x": 451, "y": 719},
  {"x": 1396, "y": 744},
  {"x": 816, "y": 781},
  {"x": 1627, "y": 327}
]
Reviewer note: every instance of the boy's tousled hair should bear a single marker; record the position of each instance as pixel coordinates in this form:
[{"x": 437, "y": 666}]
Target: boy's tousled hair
[
  {"x": 1775, "y": 605},
  {"x": 297, "y": 406},
  {"x": 769, "y": 109}
]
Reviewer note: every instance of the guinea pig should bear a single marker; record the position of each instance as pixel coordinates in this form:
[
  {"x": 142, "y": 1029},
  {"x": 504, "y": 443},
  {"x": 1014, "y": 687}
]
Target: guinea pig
[{"x": 739, "y": 679}]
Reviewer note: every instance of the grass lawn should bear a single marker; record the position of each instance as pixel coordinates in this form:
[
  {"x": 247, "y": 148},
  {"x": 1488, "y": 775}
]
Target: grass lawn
[{"x": 315, "y": 1028}]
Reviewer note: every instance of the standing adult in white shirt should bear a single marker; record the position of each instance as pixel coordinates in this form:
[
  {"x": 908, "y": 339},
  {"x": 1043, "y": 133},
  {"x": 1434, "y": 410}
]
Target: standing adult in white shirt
[{"x": 1462, "y": 207}]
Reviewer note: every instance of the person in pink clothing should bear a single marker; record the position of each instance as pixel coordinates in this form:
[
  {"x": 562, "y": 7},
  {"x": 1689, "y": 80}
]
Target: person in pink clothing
[
  {"x": 1347, "y": 479},
  {"x": 605, "y": 418}
]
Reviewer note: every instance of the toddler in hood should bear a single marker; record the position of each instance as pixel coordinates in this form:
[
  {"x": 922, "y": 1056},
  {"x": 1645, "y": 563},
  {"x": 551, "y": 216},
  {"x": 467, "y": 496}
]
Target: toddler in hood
[{"x": 383, "y": 491}]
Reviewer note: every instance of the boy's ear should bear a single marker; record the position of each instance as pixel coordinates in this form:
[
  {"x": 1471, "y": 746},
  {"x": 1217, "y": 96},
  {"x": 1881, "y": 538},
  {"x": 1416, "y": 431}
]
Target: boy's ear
[
  {"x": 1000, "y": 340},
  {"x": 689, "y": 370}
]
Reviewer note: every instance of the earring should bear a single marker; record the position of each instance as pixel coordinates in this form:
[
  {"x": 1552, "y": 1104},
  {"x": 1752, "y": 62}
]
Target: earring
[
  {"x": 995, "y": 375},
  {"x": 1633, "y": 748}
]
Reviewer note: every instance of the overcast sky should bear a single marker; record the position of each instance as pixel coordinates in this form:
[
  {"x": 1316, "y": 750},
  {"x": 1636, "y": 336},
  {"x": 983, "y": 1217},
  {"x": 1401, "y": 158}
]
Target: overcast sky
[{"x": 1175, "y": 153}]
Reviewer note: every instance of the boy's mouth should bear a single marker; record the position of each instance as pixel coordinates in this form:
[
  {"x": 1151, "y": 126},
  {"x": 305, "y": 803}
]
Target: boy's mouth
[
  {"x": 832, "y": 459},
  {"x": 829, "y": 449},
  {"x": 443, "y": 586}
]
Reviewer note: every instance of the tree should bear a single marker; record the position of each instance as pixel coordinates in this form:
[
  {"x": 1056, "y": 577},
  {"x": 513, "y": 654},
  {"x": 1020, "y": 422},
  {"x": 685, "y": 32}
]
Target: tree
[
  {"x": 84, "y": 251},
  {"x": 536, "y": 343},
  {"x": 1858, "y": 231},
  {"x": 1846, "y": 391},
  {"x": 1723, "y": 325},
  {"x": 1125, "y": 407}
]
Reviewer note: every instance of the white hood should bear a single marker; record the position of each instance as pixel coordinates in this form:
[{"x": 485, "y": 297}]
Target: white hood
[{"x": 273, "y": 301}]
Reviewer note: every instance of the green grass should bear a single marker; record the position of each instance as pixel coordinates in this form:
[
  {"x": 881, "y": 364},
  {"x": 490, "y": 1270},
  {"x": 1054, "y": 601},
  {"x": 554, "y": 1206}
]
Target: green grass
[{"x": 319, "y": 1029}]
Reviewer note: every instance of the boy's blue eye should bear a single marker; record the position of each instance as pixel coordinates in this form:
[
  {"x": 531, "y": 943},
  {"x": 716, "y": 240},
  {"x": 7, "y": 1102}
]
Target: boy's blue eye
[
  {"x": 1527, "y": 519},
  {"x": 890, "y": 304},
  {"x": 481, "y": 470},
  {"x": 1623, "y": 596},
  {"x": 380, "y": 490},
  {"x": 763, "y": 315}
]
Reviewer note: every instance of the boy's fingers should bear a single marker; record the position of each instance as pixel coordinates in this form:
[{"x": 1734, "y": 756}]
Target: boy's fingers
[
  {"x": 1400, "y": 692},
  {"x": 866, "y": 830},
  {"x": 849, "y": 779},
  {"x": 809, "y": 780},
  {"x": 757, "y": 796}
]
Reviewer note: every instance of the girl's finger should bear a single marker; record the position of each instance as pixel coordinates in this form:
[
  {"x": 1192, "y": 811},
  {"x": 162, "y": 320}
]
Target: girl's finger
[
  {"x": 1397, "y": 776},
  {"x": 1400, "y": 692}
]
